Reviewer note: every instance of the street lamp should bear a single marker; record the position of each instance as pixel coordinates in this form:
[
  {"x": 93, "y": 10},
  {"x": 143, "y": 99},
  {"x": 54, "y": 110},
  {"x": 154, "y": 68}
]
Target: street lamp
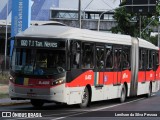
[
  {"x": 103, "y": 13},
  {"x": 79, "y": 14},
  {"x": 100, "y": 19},
  {"x": 158, "y": 32},
  {"x": 153, "y": 18}
]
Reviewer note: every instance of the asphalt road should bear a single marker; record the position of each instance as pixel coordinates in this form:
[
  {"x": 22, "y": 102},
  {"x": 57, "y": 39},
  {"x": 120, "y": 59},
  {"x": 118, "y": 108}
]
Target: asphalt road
[{"x": 138, "y": 108}]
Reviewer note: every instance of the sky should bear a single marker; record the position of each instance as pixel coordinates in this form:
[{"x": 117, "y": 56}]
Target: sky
[
  {"x": 90, "y": 4},
  {"x": 44, "y": 14}
]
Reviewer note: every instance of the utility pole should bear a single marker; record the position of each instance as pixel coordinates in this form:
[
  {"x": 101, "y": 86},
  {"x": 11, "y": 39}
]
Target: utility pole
[
  {"x": 140, "y": 26},
  {"x": 79, "y": 13},
  {"x": 158, "y": 35},
  {"x": 5, "y": 54}
]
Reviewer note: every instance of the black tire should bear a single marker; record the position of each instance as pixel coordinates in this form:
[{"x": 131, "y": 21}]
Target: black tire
[
  {"x": 85, "y": 98},
  {"x": 123, "y": 94},
  {"x": 37, "y": 103},
  {"x": 149, "y": 91}
]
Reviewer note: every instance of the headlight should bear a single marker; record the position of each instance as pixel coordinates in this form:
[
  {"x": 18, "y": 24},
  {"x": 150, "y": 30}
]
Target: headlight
[
  {"x": 58, "y": 81},
  {"x": 12, "y": 79}
]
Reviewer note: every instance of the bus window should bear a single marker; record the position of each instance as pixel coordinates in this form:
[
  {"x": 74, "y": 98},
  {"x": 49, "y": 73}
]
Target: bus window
[
  {"x": 126, "y": 58},
  {"x": 38, "y": 61},
  {"x": 75, "y": 57},
  {"x": 143, "y": 59},
  {"x": 154, "y": 60},
  {"x": 117, "y": 58},
  {"x": 100, "y": 57},
  {"x": 157, "y": 60},
  {"x": 22, "y": 57},
  {"x": 87, "y": 55},
  {"x": 150, "y": 57},
  {"x": 140, "y": 59},
  {"x": 109, "y": 56},
  {"x": 147, "y": 59},
  {"x": 41, "y": 60}
]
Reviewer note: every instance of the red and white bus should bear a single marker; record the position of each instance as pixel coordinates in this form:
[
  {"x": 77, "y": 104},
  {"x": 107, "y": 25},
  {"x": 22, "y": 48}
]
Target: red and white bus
[{"x": 52, "y": 63}]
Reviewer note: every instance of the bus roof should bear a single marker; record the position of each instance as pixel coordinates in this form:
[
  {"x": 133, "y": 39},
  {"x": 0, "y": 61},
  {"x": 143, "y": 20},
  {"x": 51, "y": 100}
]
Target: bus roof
[
  {"x": 50, "y": 31},
  {"x": 65, "y": 32},
  {"x": 145, "y": 44}
]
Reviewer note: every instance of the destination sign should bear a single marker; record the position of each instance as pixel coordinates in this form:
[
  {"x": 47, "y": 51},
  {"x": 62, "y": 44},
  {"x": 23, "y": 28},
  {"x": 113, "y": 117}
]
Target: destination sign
[{"x": 40, "y": 43}]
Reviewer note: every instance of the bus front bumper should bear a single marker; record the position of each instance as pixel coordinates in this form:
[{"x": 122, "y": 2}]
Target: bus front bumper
[{"x": 55, "y": 94}]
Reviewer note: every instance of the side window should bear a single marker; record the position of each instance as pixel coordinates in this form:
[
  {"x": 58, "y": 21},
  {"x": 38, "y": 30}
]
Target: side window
[
  {"x": 126, "y": 57},
  {"x": 99, "y": 57},
  {"x": 75, "y": 54},
  {"x": 154, "y": 60},
  {"x": 147, "y": 59},
  {"x": 87, "y": 55},
  {"x": 140, "y": 59},
  {"x": 144, "y": 59},
  {"x": 117, "y": 58},
  {"x": 109, "y": 56},
  {"x": 157, "y": 60},
  {"x": 150, "y": 59}
]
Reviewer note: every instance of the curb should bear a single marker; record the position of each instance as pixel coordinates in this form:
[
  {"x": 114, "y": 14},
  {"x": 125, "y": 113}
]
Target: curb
[
  {"x": 6, "y": 101},
  {"x": 14, "y": 102}
]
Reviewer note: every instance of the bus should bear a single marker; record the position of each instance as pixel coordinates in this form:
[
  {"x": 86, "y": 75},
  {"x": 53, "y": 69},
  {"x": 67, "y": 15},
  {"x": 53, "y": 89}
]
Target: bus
[{"x": 61, "y": 64}]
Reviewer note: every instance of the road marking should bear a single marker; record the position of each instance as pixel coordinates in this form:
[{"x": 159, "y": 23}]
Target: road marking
[
  {"x": 116, "y": 105},
  {"x": 86, "y": 111},
  {"x": 153, "y": 94},
  {"x": 69, "y": 116},
  {"x": 120, "y": 104},
  {"x": 91, "y": 110}
]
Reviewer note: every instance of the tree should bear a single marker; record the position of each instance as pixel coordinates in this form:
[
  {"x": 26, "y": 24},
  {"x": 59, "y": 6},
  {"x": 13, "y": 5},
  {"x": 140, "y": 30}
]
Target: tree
[
  {"x": 128, "y": 23},
  {"x": 153, "y": 40},
  {"x": 125, "y": 22}
]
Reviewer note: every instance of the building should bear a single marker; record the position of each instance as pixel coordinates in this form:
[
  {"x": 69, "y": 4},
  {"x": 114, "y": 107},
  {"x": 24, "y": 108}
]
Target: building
[{"x": 65, "y": 11}]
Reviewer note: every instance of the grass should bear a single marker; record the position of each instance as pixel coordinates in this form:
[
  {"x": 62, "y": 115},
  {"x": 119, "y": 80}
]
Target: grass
[
  {"x": 4, "y": 95},
  {"x": 4, "y": 78}
]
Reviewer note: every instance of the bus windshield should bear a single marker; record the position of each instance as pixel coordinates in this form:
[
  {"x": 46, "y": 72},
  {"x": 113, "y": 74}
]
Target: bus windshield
[{"x": 38, "y": 61}]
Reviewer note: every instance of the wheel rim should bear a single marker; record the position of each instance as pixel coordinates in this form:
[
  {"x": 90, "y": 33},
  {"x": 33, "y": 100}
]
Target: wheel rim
[
  {"x": 149, "y": 94},
  {"x": 85, "y": 96},
  {"x": 123, "y": 95}
]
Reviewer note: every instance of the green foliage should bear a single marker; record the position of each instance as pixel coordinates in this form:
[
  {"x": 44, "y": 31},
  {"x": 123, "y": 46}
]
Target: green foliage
[
  {"x": 4, "y": 95},
  {"x": 153, "y": 40},
  {"x": 129, "y": 23},
  {"x": 4, "y": 78},
  {"x": 125, "y": 25}
]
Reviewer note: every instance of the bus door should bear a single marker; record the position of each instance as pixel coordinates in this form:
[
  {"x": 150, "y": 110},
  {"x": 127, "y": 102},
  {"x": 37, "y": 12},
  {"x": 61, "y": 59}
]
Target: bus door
[
  {"x": 152, "y": 66},
  {"x": 142, "y": 66},
  {"x": 117, "y": 75},
  {"x": 156, "y": 69},
  {"x": 147, "y": 68},
  {"x": 153, "y": 72},
  {"x": 99, "y": 69}
]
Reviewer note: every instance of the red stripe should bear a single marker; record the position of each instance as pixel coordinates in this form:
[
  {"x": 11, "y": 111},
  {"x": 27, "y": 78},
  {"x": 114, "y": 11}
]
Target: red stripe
[{"x": 34, "y": 86}]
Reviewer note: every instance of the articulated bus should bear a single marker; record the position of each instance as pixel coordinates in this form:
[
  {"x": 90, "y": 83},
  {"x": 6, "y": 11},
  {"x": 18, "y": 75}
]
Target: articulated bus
[{"x": 61, "y": 64}]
